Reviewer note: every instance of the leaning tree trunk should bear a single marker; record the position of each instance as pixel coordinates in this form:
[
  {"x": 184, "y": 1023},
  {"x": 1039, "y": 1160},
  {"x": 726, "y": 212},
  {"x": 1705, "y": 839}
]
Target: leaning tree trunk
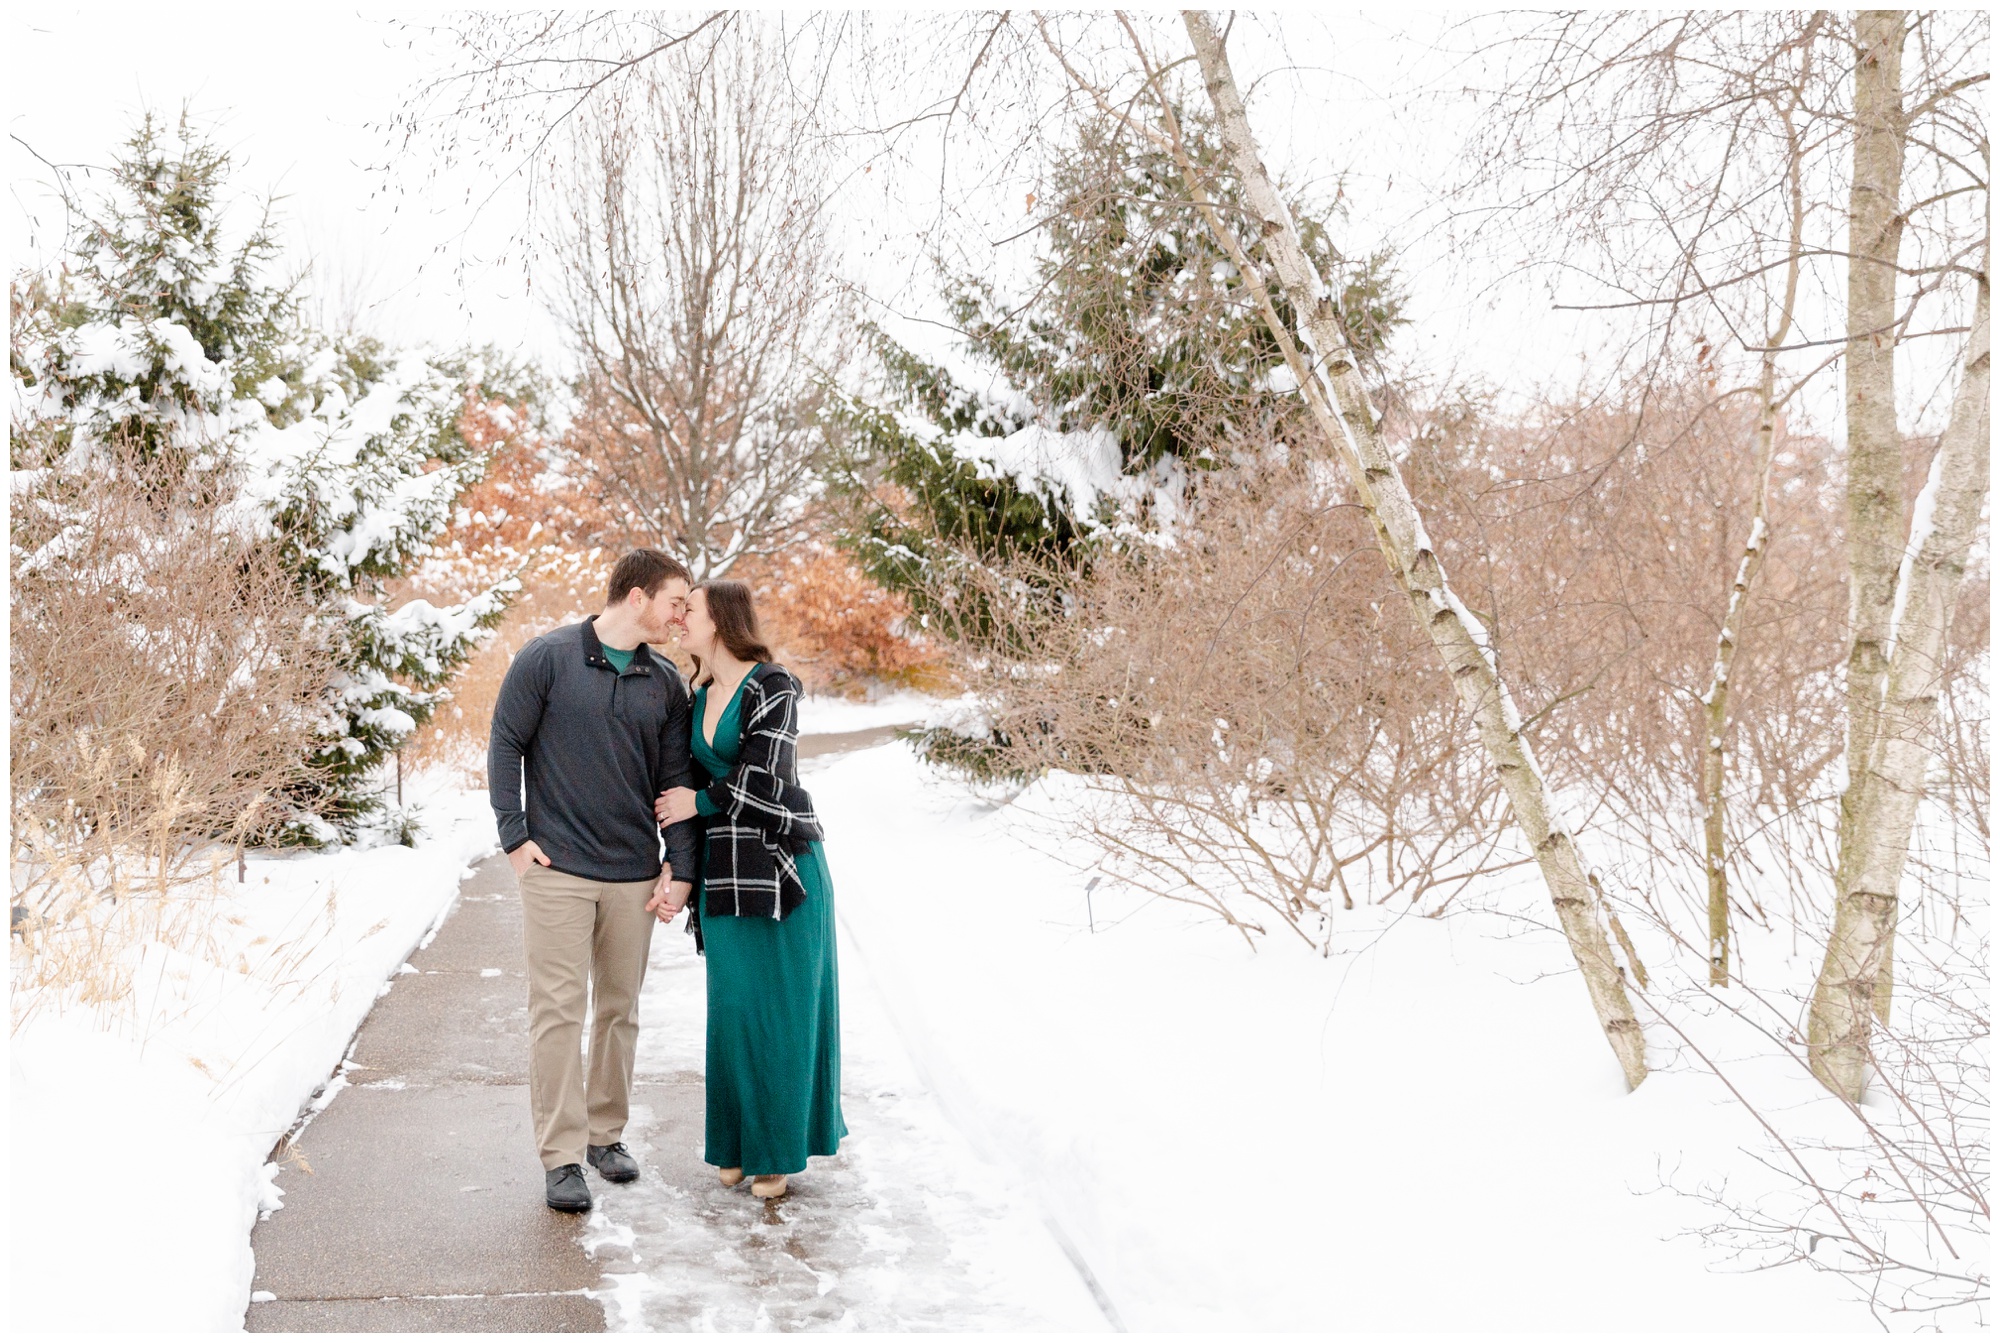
[
  {"x": 1890, "y": 783},
  {"x": 1874, "y": 444},
  {"x": 1333, "y": 389}
]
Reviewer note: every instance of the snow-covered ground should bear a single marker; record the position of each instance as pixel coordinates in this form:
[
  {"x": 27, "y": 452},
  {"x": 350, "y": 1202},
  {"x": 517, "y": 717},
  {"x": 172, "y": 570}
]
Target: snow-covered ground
[
  {"x": 1424, "y": 1132},
  {"x": 141, "y": 1129},
  {"x": 834, "y": 714},
  {"x": 1097, "y": 1110},
  {"x": 907, "y": 1229}
]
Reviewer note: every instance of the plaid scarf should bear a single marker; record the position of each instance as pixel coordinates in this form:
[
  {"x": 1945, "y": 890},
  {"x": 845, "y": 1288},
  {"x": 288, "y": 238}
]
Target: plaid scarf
[{"x": 763, "y": 818}]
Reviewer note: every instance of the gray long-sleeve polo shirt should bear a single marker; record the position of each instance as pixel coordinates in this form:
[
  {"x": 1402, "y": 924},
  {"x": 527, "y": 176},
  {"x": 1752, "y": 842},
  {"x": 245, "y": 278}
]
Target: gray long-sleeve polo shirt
[{"x": 593, "y": 747}]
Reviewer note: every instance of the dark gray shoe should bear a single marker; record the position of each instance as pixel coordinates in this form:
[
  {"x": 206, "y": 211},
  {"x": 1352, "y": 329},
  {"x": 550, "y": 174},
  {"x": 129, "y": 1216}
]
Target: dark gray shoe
[
  {"x": 614, "y": 1163},
  {"x": 567, "y": 1191}
]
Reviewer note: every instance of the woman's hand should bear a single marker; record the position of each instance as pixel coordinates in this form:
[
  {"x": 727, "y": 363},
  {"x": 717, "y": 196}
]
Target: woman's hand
[
  {"x": 670, "y": 897},
  {"x": 676, "y": 804}
]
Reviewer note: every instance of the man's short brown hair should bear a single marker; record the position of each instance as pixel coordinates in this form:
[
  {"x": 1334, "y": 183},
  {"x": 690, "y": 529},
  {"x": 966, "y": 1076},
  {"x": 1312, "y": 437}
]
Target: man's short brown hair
[{"x": 644, "y": 569}]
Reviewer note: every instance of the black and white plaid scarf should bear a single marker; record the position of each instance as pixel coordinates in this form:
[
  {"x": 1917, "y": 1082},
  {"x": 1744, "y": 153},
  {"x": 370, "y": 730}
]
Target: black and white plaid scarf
[{"x": 763, "y": 819}]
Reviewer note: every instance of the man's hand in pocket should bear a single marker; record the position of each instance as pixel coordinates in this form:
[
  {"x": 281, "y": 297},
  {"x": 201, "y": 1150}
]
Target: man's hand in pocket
[{"x": 528, "y": 854}]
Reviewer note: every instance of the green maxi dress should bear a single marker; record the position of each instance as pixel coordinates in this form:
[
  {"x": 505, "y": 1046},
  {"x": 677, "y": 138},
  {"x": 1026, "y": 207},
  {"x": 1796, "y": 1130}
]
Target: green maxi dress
[{"x": 773, "y": 1007}]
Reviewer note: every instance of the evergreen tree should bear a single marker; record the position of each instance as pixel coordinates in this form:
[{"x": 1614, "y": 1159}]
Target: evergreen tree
[
  {"x": 1138, "y": 357},
  {"x": 165, "y": 351}
]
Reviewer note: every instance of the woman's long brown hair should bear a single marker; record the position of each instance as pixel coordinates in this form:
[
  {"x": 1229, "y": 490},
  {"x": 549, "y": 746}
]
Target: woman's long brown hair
[{"x": 735, "y": 617}]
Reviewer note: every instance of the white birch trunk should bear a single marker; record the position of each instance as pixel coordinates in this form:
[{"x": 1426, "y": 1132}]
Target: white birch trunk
[
  {"x": 1716, "y": 719},
  {"x": 1714, "y": 772},
  {"x": 1874, "y": 443},
  {"x": 1890, "y": 782},
  {"x": 1339, "y": 401}
]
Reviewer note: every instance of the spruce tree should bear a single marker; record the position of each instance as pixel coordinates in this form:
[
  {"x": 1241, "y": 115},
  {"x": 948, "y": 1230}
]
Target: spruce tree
[
  {"x": 1136, "y": 359},
  {"x": 167, "y": 350}
]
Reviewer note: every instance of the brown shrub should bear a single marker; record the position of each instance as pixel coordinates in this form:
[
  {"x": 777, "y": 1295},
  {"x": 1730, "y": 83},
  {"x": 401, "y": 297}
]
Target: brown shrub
[
  {"x": 1262, "y": 727},
  {"x": 1259, "y": 729},
  {"x": 1598, "y": 542},
  {"x": 165, "y": 679}
]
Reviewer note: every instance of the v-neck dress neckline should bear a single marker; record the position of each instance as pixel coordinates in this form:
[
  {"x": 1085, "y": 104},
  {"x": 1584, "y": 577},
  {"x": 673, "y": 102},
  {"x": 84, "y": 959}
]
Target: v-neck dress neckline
[{"x": 708, "y": 737}]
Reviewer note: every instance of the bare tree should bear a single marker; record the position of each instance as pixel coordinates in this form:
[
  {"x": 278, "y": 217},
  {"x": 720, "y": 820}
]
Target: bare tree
[
  {"x": 699, "y": 294},
  {"x": 515, "y": 82},
  {"x": 1681, "y": 153},
  {"x": 1874, "y": 440},
  {"x": 1769, "y": 407},
  {"x": 1732, "y": 109}
]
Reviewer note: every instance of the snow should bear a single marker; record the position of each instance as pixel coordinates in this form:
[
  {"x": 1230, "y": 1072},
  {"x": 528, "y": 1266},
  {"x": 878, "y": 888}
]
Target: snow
[
  {"x": 1280, "y": 380},
  {"x": 141, "y": 1130},
  {"x": 117, "y": 349},
  {"x": 1425, "y": 1130},
  {"x": 832, "y": 714},
  {"x": 1071, "y": 1107},
  {"x": 1071, "y": 468},
  {"x": 931, "y": 1236}
]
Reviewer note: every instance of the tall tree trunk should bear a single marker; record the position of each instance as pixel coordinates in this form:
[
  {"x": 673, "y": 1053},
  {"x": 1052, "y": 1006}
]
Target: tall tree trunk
[
  {"x": 1333, "y": 389},
  {"x": 1890, "y": 782},
  {"x": 1874, "y": 444},
  {"x": 1713, "y": 772}
]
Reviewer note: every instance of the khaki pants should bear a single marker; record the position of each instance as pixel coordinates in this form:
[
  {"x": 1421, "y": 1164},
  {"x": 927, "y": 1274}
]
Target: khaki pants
[{"x": 586, "y": 940}]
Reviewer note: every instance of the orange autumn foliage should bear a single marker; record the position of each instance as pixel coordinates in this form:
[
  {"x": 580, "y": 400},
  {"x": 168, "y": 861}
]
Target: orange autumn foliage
[{"x": 837, "y": 628}]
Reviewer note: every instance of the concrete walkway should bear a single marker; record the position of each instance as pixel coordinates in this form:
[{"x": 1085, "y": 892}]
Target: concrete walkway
[{"x": 414, "y": 1200}]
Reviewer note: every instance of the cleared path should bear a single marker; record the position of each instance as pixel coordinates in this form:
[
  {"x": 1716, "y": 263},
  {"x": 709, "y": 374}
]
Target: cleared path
[{"x": 414, "y": 1200}]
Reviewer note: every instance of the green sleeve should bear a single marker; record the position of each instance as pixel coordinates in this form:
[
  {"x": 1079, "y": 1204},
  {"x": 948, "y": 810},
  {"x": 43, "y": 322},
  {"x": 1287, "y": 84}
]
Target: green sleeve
[{"x": 704, "y": 807}]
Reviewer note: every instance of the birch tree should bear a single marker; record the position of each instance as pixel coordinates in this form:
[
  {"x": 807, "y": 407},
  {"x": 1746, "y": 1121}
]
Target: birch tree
[
  {"x": 1885, "y": 785},
  {"x": 1769, "y": 405},
  {"x": 1901, "y": 592},
  {"x": 1324, "y": 367},
  {"x": 1874, "y": 442},
  {"x": 1670, "y": 163}
]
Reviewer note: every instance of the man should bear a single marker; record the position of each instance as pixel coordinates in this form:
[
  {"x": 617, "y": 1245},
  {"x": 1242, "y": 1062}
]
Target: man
[{"x": 591, "y": 726}]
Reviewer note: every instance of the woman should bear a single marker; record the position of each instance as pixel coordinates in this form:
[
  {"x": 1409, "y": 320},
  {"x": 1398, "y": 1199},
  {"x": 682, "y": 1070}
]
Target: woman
[{"x": 763, "y": 915}]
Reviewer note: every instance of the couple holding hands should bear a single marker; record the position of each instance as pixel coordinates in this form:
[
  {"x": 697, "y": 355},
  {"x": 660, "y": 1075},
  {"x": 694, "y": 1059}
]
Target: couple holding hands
[{"x": 622, "y": 798}]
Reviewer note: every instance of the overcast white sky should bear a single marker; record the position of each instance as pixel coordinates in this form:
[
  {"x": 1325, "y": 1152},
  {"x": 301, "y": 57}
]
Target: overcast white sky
[
  {"x": 298, "y": 93},
  {"x": 291, "y": 92}
]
